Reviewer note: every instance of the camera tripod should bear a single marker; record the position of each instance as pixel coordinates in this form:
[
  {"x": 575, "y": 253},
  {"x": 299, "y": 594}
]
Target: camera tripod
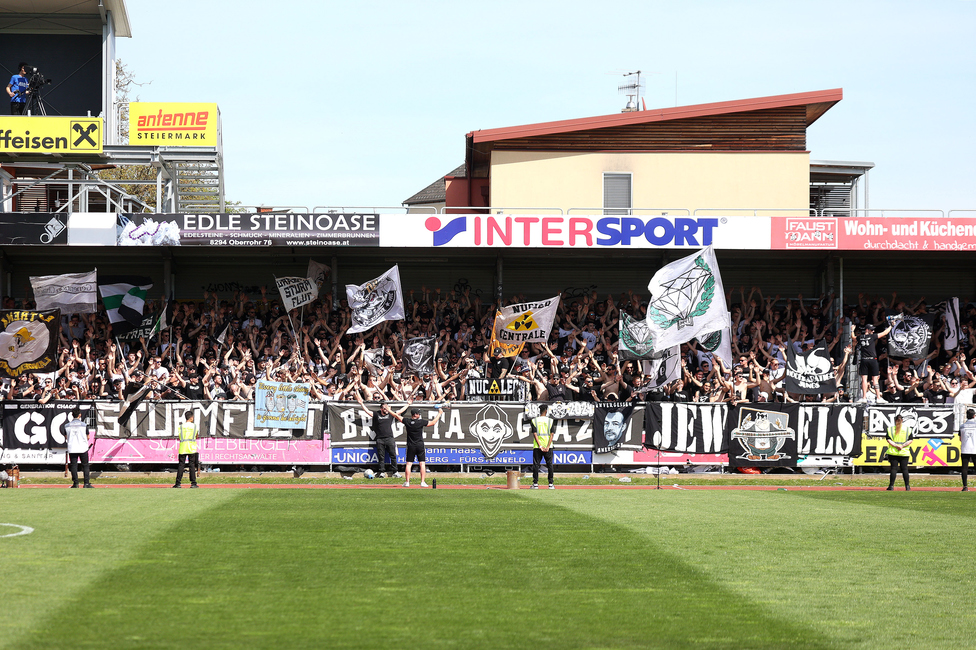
[{"x": 34, "y": 103}]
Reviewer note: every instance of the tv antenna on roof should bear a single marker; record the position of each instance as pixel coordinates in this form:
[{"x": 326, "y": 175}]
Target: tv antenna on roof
[{"x": 633, "y": 90}]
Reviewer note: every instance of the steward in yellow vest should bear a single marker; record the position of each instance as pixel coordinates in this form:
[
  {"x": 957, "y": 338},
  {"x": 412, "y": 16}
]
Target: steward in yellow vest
[
  {"x": 542, "y": 445},
  {"x": 899, "y": 439},
  {"x": 188, "y": 450}
]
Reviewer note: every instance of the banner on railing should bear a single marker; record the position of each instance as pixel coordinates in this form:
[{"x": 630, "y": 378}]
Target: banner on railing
[
  {"x": 756, "y": 434},
  {"x": 924, "y": 421},
  {"x": 508, "y": 389},
  {"x": 215, "y": 419},
  {"x": 37, "y": 427},
  {"x": 686, "y": 428},
  {"x": 777, "y": 435},
  {"x": 461, "y": 456},
  {"x": 493, "y": 426}
]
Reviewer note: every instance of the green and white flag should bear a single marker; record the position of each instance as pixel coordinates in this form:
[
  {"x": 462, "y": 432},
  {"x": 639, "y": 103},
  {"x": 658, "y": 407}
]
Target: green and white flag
[
  {"x": 687, "y": 299},
  {"x": 124, "y": 297}
]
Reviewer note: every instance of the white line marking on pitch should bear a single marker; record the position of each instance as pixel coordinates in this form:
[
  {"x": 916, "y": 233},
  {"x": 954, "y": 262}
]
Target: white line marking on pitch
[{"x": 24, "y": 530}]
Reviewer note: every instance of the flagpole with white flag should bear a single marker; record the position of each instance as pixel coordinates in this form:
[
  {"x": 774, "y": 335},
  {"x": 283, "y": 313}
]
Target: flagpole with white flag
[{"x": 687, "y": 299}]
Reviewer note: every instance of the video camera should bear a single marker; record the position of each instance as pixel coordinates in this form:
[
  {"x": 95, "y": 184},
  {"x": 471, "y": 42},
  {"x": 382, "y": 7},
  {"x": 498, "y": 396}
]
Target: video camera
[{"x": 35, "y": 79}]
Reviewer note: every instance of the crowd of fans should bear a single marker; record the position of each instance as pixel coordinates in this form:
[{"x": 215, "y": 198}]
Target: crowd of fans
[{"x": 218, "y": 349}]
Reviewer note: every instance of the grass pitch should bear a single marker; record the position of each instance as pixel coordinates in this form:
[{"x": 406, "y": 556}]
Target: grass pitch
[{"x": 240, "y": 568}]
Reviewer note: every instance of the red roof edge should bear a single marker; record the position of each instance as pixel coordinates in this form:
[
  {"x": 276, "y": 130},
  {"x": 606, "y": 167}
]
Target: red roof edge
[{"x": 829, "y": 97}]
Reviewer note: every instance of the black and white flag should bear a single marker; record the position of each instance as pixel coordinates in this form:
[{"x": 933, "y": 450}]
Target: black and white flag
[
  {"x": 296, "y": 292},
  {"x": 611, "y": 421},
  {"x": 635, "y": 340},
  {"x": 374, "y": 360},
  {"x": 661, "y": 369},
  {"x": 950, "y": 313},
  {"x": 910, "y": 336},
  {"x": 811, "y": 372},
  {"x": 418, "y": 356},
  {"x": 378, "y": 300}
]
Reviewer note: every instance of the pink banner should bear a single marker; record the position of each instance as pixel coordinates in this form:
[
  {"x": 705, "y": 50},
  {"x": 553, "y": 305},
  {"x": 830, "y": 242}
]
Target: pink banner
[
  {"x": 215, "y": 451},
  {"x": 650, "y": 457},
  {"x": 880, "y": 234}
]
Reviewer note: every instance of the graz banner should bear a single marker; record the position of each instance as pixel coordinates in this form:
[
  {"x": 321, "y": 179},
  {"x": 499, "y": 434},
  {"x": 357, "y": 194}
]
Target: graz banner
[
  {"x": 243, "y": 230},
  {"x": 215, "y": 419},
  {"x": 28, "y": 341},
  {"x": 777, "y": 435},
  {"x": 37, "y": 427},
  {"x": 279, "y": 405},
  {"x": 34, "y": 228},
  {"x": 686, "y": 428},
  {"x": 494, "y": 427},
  {"x": 485, "y": 390}
]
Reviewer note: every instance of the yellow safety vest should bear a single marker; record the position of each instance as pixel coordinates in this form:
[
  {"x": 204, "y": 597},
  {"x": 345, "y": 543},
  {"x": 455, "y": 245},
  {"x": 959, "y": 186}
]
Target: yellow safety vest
[
  {"x": 899, "y": 436},
  {"x": 188, "y": 438},
  {"x": 543, "y": 427}
]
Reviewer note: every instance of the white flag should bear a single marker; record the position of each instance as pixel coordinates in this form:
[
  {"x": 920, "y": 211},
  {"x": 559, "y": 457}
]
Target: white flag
[
  {"x": 527, "y": 322},
  {"x": 687, "y": 299},
  {"x": 719, "y": 344},
  {"x": 317, "y": 273},
  {"x": 662, "y": 368},
  {"x": 378, "y": 300},
  {"x": 72, "y": 293},
  {"x": 296, "y": 292}
]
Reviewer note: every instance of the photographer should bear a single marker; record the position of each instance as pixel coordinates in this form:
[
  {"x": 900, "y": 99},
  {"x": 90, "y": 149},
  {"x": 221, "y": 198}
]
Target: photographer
[{"x": 17, "y": 89}]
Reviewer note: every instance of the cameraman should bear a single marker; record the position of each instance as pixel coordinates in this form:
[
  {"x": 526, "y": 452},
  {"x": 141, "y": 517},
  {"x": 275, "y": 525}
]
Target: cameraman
[{"x": 17, "y": 89}]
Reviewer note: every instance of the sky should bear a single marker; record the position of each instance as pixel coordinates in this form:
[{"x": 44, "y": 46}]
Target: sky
[{"x": 362, "y": 104}]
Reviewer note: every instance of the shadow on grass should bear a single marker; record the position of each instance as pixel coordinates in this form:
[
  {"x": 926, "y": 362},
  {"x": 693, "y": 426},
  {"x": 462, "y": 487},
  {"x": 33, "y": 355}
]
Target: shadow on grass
[{"x": 431, "y": 569}]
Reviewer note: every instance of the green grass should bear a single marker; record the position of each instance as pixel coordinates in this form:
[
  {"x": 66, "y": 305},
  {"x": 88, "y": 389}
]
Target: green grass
[{"x": 237, "y": 568}]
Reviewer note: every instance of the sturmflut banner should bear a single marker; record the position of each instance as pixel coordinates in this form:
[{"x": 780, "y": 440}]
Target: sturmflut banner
[{"x": 215, "y": 419}]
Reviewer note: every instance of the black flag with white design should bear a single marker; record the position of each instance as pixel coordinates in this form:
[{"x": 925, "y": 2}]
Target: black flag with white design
[
  {"x": 810, "y": 372},
  {"x": 418, "y": 356},
  {"x": 611, "y": 422},
  {"x": 910, "y": 336},
  {"x": 950, "y": 313}
]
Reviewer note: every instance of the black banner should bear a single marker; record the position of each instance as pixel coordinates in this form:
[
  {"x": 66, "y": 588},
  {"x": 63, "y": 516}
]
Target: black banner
[
  {"x": 28, "y": 341},
  {"x": 507, "y": 388},
  {"x": 611, "y": 426},
  {"x": 221, "y": 419},
  {"x": 33, "y": 426},
  {"x": 494, "y": 426},
  {"x": 37, "y": 228},
  {"x": 924, "y": 421},
  {"x": 686, "y": 428},
  {"x": 243, "y": 230},
  {"x": 810, "y": 373},
  {"x": 910, "y": 336},
  {"x": 777, "y": 435}
]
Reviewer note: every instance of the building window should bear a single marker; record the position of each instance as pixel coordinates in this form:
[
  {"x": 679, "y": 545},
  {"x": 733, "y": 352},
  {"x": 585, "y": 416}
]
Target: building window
[{"x": 617, "y": 195}]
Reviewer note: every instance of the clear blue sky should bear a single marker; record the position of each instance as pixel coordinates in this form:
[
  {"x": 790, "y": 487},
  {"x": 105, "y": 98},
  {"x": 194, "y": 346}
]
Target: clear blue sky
[{"x": 365, "y": 103}]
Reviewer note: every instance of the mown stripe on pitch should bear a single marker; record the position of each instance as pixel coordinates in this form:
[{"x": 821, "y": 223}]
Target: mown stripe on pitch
[{"x": 446, "y": 568}]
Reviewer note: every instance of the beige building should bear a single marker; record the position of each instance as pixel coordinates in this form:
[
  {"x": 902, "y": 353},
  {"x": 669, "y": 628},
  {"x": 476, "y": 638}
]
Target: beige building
[{"x": 747, "y": 156}]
